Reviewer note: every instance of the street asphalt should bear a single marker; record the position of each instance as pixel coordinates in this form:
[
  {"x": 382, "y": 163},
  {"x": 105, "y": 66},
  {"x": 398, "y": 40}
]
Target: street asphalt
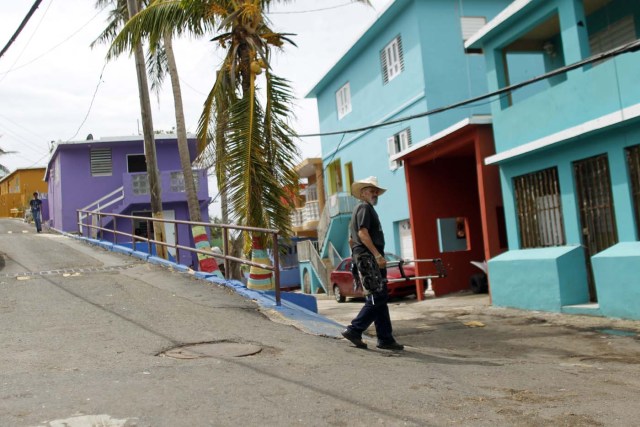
[{"x": 96, "y": 338}]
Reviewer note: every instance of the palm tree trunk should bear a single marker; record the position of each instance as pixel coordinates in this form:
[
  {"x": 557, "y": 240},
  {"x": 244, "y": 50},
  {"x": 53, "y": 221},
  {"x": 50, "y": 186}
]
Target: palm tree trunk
[
  {"x": 200, "y": 237},
  {"x": 155, "y": 189},
  {"x": 183, "y": 147}
]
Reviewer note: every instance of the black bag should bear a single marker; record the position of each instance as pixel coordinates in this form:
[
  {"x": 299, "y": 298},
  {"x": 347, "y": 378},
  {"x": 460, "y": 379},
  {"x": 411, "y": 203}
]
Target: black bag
[{"x": 369, "y": 272}]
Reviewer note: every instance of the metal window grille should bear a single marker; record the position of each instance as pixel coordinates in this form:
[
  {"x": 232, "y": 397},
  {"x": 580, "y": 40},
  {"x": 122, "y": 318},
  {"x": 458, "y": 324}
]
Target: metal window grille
[
  {"x": 595, "y": 200},
  {"x": 539, "y": 209},
  {"x": 633, "y": 162},
  {"x": 100, "y": 159}
]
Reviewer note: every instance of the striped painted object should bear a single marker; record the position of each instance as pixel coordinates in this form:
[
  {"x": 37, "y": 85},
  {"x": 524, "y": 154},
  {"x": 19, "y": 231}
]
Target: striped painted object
[
  {"x": 207, "y": 263},
  {"x": 259, "y": 278}
]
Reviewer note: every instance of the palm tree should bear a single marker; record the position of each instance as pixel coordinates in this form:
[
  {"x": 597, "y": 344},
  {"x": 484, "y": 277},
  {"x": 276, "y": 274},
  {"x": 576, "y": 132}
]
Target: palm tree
[
  {"x": 250, "y": 143},
  {"x": 122, "y": 10}
]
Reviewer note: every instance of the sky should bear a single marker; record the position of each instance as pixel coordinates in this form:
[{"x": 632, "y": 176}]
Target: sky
[{"x": 54, "y": 87}]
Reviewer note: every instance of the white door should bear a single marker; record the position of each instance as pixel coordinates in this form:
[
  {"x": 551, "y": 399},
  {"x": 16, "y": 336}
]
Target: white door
[
  {"x": 406, "y": 240},
  {"x": 169, "y": 231}
]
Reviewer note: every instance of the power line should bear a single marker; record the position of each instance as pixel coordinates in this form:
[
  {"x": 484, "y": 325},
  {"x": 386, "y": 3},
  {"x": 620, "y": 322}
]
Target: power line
[
  {"x": 629, "y": 47},
  {"x": 21, "y": 27},
  {"x": 93, "y": 98},
  {"x": 28, "y": 41},
  {"x": 55, "y": 46},
  {"x": 309, "y": 11}
]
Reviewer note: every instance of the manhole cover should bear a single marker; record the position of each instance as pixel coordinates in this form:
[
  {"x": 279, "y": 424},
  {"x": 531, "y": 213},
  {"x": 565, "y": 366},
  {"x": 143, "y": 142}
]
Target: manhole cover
[{"x": 218, "y": 349}]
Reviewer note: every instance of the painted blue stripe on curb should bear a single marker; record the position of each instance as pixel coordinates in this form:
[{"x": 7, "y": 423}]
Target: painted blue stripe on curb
[{"x": 307, "y": 320}]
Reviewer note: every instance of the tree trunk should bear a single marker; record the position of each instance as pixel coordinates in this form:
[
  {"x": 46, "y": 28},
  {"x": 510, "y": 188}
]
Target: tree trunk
[
  {"x": 181, "y": 131},
  {"x": 155, "y": 189}
]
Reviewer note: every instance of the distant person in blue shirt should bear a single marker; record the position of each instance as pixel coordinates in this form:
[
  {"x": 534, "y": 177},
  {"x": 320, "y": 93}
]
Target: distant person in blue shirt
[{"x": 36, "y": 208}]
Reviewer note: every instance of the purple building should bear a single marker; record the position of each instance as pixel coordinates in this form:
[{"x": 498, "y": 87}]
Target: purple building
[{"x": 109, "y": 175}]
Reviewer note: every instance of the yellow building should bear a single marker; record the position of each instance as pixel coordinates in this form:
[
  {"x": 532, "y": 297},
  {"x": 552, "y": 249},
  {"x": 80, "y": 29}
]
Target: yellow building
[{"x": 16, "y": 189}]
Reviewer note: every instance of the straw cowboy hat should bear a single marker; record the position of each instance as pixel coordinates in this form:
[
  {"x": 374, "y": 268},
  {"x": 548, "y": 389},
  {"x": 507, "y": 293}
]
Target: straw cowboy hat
[{"x": 372, "y": 181}]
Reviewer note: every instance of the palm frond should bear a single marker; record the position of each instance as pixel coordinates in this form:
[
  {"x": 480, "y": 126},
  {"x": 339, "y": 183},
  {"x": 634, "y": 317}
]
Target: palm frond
[{"x": 157, "y": 66}]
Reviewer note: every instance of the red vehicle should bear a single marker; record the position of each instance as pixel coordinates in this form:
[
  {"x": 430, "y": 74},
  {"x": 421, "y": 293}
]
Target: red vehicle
[{"x": 343, "y": 283}]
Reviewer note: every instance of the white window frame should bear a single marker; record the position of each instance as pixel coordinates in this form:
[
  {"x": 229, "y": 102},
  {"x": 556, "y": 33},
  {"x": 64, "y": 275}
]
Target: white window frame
[
  {"x": 396, "y": 144},
  {"x": 343, "y": 100},
  {"x": 392, "y": 58}
]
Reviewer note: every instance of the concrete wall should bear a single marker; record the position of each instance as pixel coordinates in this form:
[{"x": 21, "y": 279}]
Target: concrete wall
[
  {"x": 435, "y": 74},
  {"x": 617, "y": 280},
  {"x": 539, "y": 279},
  {"x": 585, "y": 94}
]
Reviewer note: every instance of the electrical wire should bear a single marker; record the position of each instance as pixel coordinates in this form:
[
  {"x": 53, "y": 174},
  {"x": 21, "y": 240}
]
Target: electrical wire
[
  {"x": 51, "y": 49},
  {"x": 21, "y": 27},
  {"x": 309, "y": 11},
  {"x": 629, "y": 47},
  {"x": 93, "y": 98},
  {"x": 28, "y": 41}
]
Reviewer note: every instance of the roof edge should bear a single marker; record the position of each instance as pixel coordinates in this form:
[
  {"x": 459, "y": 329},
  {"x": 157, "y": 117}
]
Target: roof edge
[{"x": 480, "y": 119}]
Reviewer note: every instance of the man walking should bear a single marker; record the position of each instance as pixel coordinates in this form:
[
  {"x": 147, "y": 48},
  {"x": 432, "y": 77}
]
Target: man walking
[
  {"x": 36, "y": 207},
  {"x": 368, "y": 254}
]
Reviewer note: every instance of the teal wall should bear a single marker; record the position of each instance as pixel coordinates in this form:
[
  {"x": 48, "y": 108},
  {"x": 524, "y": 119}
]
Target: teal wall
[
  {"x": 437, "y": 72},
  {"x": 550, "y": 278},
  {"x": 585, "y": 94},
  {"x": 613, "y": 143},
  {"x": 617, "y": 280},
  {"x": 539, "y": 279}
]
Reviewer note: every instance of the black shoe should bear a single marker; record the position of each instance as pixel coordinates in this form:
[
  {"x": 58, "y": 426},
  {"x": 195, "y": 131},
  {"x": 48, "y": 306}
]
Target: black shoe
[
  {"x": 390, "y": 346},
  {"x": 354, "y": 338}
]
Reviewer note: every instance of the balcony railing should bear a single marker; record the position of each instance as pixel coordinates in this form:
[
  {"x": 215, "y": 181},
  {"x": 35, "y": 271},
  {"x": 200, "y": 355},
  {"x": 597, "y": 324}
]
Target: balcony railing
[
  {"x": 297, "y": 217},
  {"x": 311, "y": 212},
  {"x": 338, "y": 204}
]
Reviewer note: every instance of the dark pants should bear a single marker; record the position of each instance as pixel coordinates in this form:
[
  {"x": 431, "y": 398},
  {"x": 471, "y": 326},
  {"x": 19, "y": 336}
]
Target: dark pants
[
  {"x": 36, "y": 219},
  {"x": 375, "y": 309}
]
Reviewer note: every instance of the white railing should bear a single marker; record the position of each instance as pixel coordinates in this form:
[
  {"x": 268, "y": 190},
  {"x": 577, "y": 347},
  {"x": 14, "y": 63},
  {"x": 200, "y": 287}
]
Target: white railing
[
  {"x": 307, "y": 252},
  {"x": 318, "y": 265},
  {"x": 303, "y": 248},
  {"x": 104, "y": 202},
  {"x": 334, "y": 256},
  {"x": 323, "y": 226},
  {"x": 297, "y": 217},
  {"x": 311, "y": 193},
  {"x": 311, "y": 212},
  {"x": 337, "y": 204}
]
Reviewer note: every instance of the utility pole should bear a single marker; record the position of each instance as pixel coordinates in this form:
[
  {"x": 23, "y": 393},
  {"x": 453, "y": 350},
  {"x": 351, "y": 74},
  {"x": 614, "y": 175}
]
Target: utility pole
[{"x": 155, "y": 189}]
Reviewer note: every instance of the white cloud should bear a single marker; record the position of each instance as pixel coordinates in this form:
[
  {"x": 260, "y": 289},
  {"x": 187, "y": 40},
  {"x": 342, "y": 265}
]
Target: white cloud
[{"x": 49, "y": 75}]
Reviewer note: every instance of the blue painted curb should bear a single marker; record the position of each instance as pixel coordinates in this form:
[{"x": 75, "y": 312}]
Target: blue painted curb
[{"x": 307, "y": 320}]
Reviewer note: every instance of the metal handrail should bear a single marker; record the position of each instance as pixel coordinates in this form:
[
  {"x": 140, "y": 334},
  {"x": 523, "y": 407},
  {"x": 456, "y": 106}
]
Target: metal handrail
[
  {"x": 225, "y": 232},
  {"x": 319, "y": 266},
  {"x": 333, "y": 255},
  {"x": 118, "y": 191}
]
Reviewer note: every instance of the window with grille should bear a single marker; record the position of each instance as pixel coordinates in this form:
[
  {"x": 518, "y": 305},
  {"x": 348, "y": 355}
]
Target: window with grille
[
  {"x": 343, "y": 101},
  {"x": 539, "y": 209},
  {"x": 396, "y": 144},
  {"x": 101, "y": 164},
  {"x": 392, "y": 59},
  {"x": 633, "y": 162}
]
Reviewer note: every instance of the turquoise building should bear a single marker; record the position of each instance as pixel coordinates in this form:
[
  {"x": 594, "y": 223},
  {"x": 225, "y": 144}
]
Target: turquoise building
[
  {"x": 410, "y": 60},
  {"x": 568, "y": 148}
]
